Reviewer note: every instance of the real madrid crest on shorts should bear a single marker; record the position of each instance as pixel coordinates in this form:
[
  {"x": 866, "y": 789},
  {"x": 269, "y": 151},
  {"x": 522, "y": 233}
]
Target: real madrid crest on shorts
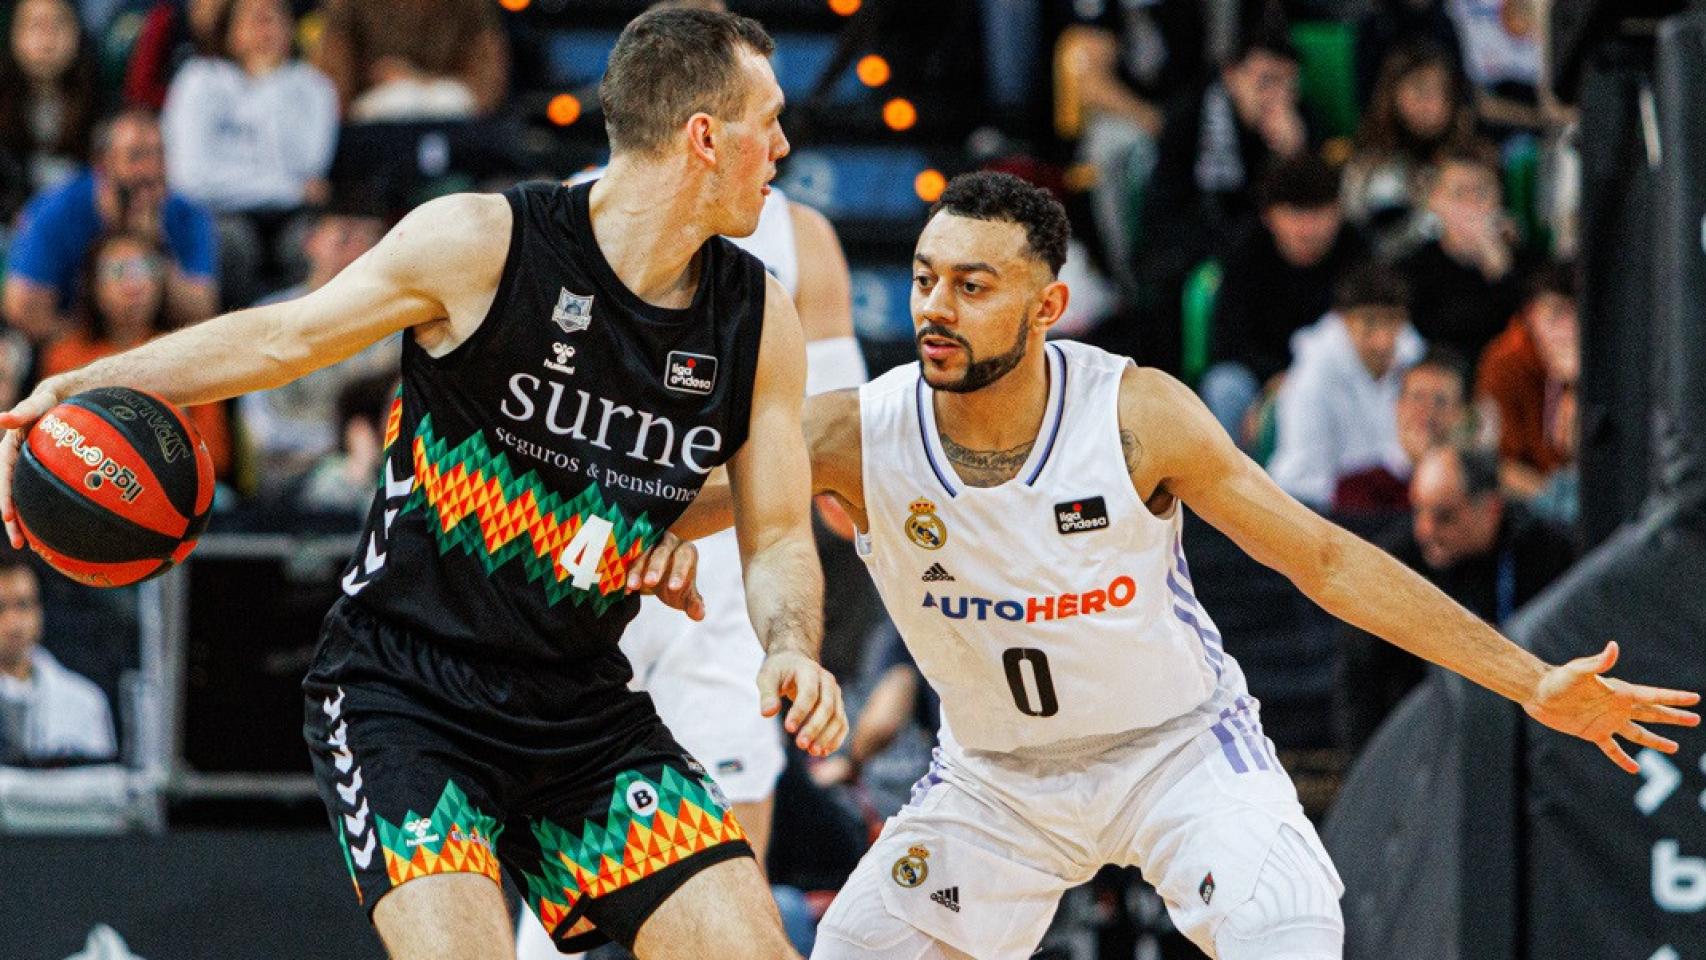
[
  {"x": 909, "y": 871},
  {"x": 924, "y": 527}
]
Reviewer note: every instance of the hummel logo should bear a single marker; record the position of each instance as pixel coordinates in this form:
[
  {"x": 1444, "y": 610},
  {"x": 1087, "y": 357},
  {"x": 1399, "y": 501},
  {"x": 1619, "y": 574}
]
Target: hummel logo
[
  {"x": 948, "y": 897},
  {"x": 936, "y": 574}
]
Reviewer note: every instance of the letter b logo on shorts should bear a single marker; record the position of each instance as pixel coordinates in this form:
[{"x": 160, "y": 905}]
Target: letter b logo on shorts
[{"x": 642, "y": 798}]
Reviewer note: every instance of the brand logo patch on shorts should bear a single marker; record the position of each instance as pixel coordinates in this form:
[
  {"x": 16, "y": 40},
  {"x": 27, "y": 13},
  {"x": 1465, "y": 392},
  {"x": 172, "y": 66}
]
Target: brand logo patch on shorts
[
  {"x": 421, "y": 828},
  {"x": 1206, "y": 888},
  {"x": 642, "y": 798},
  {"x": 948, "y": 897},
  {"x": 690, "y": 372},
  {"x": 909, "y": 871},
  {"x": 730, "y": 766},
  {"x": 1077, "y": 516}
]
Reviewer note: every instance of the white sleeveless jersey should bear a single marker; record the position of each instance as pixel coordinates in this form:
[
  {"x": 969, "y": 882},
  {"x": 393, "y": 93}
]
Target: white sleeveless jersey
[{"x": 1052, "y": 607}]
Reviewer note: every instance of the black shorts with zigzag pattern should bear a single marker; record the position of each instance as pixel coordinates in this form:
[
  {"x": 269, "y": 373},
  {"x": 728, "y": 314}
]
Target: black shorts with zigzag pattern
[{"x": 429, "y": 763}]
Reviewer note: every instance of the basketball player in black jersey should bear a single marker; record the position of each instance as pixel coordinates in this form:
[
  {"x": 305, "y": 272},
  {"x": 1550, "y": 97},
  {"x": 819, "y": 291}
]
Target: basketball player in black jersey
[{"x": 578, "y": 361}]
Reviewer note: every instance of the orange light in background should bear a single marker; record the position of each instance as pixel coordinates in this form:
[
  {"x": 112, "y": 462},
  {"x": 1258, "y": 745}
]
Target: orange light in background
[
  {"x": 563, "y": 109},
  {"x": 845, "y": 8},
  {"x": 514, "y": 6},
  {"x": 873, "y": 70},
  {"x": 900, "y": 114},
  {"x": 929, "y": 185}
]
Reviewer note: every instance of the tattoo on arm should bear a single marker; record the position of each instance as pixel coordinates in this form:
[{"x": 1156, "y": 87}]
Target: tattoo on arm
[
  {"x": 1133, "y": 450},
  {"x": 986, "y": 468}
]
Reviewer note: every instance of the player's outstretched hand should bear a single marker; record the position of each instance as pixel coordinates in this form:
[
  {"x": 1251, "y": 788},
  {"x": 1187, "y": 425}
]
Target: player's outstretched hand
[
  {"x": 669, "y": 571},
  {"x": 818, "y": 718},
  {"x": 16, "y": 422},
  {"x": 1576, "y": 698}
]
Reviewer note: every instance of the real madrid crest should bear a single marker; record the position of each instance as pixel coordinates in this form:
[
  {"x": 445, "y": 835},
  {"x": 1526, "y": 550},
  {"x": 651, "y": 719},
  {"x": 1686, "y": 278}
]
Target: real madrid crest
[
  {"x": 923, "y": 527},
  {"x": 909, "y": 871}
]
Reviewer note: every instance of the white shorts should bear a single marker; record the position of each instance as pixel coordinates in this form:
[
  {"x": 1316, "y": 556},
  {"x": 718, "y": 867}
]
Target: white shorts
[
  {"x": 979, "y": 858},
  {"x": 703, "y": 677}
]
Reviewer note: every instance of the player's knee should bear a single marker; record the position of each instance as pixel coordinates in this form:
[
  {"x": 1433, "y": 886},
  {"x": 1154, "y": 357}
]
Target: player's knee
[{"x": 1293, "y": 913}]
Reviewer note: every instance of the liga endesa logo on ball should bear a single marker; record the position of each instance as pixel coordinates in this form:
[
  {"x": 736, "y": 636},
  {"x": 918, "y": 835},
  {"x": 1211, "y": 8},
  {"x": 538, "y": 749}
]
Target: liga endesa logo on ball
[{"x": 104, "y": 469}]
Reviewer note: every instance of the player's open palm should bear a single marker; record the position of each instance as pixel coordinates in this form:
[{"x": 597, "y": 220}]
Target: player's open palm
[
  {"x": 818, "y": 718},
  {"x": 1578, "y": 699}
]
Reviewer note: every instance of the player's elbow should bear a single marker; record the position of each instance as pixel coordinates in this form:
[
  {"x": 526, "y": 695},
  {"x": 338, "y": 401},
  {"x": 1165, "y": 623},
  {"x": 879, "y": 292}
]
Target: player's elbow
[{"x": 1325, "y": 576}]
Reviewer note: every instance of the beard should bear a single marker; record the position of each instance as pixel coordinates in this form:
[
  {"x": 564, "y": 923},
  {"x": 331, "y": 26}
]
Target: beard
[{"x": 980, "y": 373}]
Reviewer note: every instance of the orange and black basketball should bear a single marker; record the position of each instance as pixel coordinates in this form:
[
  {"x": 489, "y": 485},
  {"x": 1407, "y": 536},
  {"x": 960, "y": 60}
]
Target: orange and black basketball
[{"x": 113, "y": 486}]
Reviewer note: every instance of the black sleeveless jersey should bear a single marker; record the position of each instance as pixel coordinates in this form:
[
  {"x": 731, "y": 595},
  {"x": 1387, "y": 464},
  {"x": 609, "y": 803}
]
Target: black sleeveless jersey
[{"x": 527, "y": 469}]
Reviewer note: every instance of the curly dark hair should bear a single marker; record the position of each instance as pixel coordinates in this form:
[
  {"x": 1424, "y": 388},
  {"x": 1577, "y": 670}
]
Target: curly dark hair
[{"x": 1005, "y": 198}]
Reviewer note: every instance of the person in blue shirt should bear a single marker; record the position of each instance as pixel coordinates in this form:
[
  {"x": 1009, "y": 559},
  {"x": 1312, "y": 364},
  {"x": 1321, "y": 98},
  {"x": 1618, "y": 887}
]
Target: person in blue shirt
[{"x": 126, "y": 190}]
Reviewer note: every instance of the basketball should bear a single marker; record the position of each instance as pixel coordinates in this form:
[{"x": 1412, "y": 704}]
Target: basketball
[{"x": 113, "y": 486}]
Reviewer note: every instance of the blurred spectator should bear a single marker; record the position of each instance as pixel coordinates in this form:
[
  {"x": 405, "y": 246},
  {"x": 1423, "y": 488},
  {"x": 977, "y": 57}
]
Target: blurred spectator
[
  {"x": 1463, "y": 282},
  {"x": 341, "y": 484},
  {"x": 126, "y": 192},
  {"x": 1398, "y": 23},
  {"x": 1418, "y": 109},
  {"x": 172, "y": 32},
  {"x": 1278, "y": 278},
  {"x": 1501, "y": 56},
  {"x": 1489, "y": 555},
  {"x": 249, "y": 133},
  {"x": 124, "y": 279},
  {"x": 1527, "y": 381},
  {"x": 17, "y": 364},
  {"x": 1217, "y": 138},
  {"x": 290, "y": 428},
  {"x": 97, "y": 15},
  {"x": 415, "y": 59},
  {"x": 47, "y": 102},
  {"x": 1130, "y": 58},
  {"x": 1336, "y": 410},
  {"x": 48, "y": 715},
  {"x": 1432, "y": 410}
]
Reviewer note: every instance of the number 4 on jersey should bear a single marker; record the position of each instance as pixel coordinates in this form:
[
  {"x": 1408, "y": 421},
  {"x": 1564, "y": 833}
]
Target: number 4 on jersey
[{"x": 581, "y": 557}]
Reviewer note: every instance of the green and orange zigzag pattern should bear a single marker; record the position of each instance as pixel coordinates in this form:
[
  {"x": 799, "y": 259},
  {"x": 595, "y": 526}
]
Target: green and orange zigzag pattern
[
  {"x": 483, "y": 507},
  {"x": 466, "y": 841},
  {"x": 627, "y": 848}
]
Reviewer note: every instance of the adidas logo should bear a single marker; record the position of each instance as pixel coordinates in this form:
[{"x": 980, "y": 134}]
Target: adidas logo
[
  {"x": 936, "y": 574},
  {"x": 948, "y": 897}
]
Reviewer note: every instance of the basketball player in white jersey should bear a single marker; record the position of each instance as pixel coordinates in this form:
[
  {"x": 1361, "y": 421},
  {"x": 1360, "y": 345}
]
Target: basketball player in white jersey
[{"x": 1019, "y": 505}]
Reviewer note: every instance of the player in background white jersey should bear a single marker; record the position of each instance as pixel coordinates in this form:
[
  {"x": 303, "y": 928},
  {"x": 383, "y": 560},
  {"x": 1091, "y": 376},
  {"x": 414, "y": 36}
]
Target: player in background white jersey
[
  {"x": 700, "y": 674},
  {"x": 1019, "y": 507}
]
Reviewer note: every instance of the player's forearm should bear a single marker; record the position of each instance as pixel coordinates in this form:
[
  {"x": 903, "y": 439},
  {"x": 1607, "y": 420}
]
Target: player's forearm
[
  {"x": 711, "y": 511},
  {"x": 223, "y": 357},
  {"x": 1367, "y": 588},
  {"x": 784, "y": 594}
]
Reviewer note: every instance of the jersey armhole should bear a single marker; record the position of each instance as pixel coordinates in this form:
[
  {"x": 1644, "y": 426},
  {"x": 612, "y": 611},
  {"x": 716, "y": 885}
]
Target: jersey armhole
[{"x": 506, "y": 282}]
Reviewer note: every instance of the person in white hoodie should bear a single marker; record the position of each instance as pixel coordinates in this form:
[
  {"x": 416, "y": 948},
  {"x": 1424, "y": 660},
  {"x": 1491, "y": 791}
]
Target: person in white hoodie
[
  {"x": 250, "y": 133},
  {"x": 1335, "y": 411}
]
